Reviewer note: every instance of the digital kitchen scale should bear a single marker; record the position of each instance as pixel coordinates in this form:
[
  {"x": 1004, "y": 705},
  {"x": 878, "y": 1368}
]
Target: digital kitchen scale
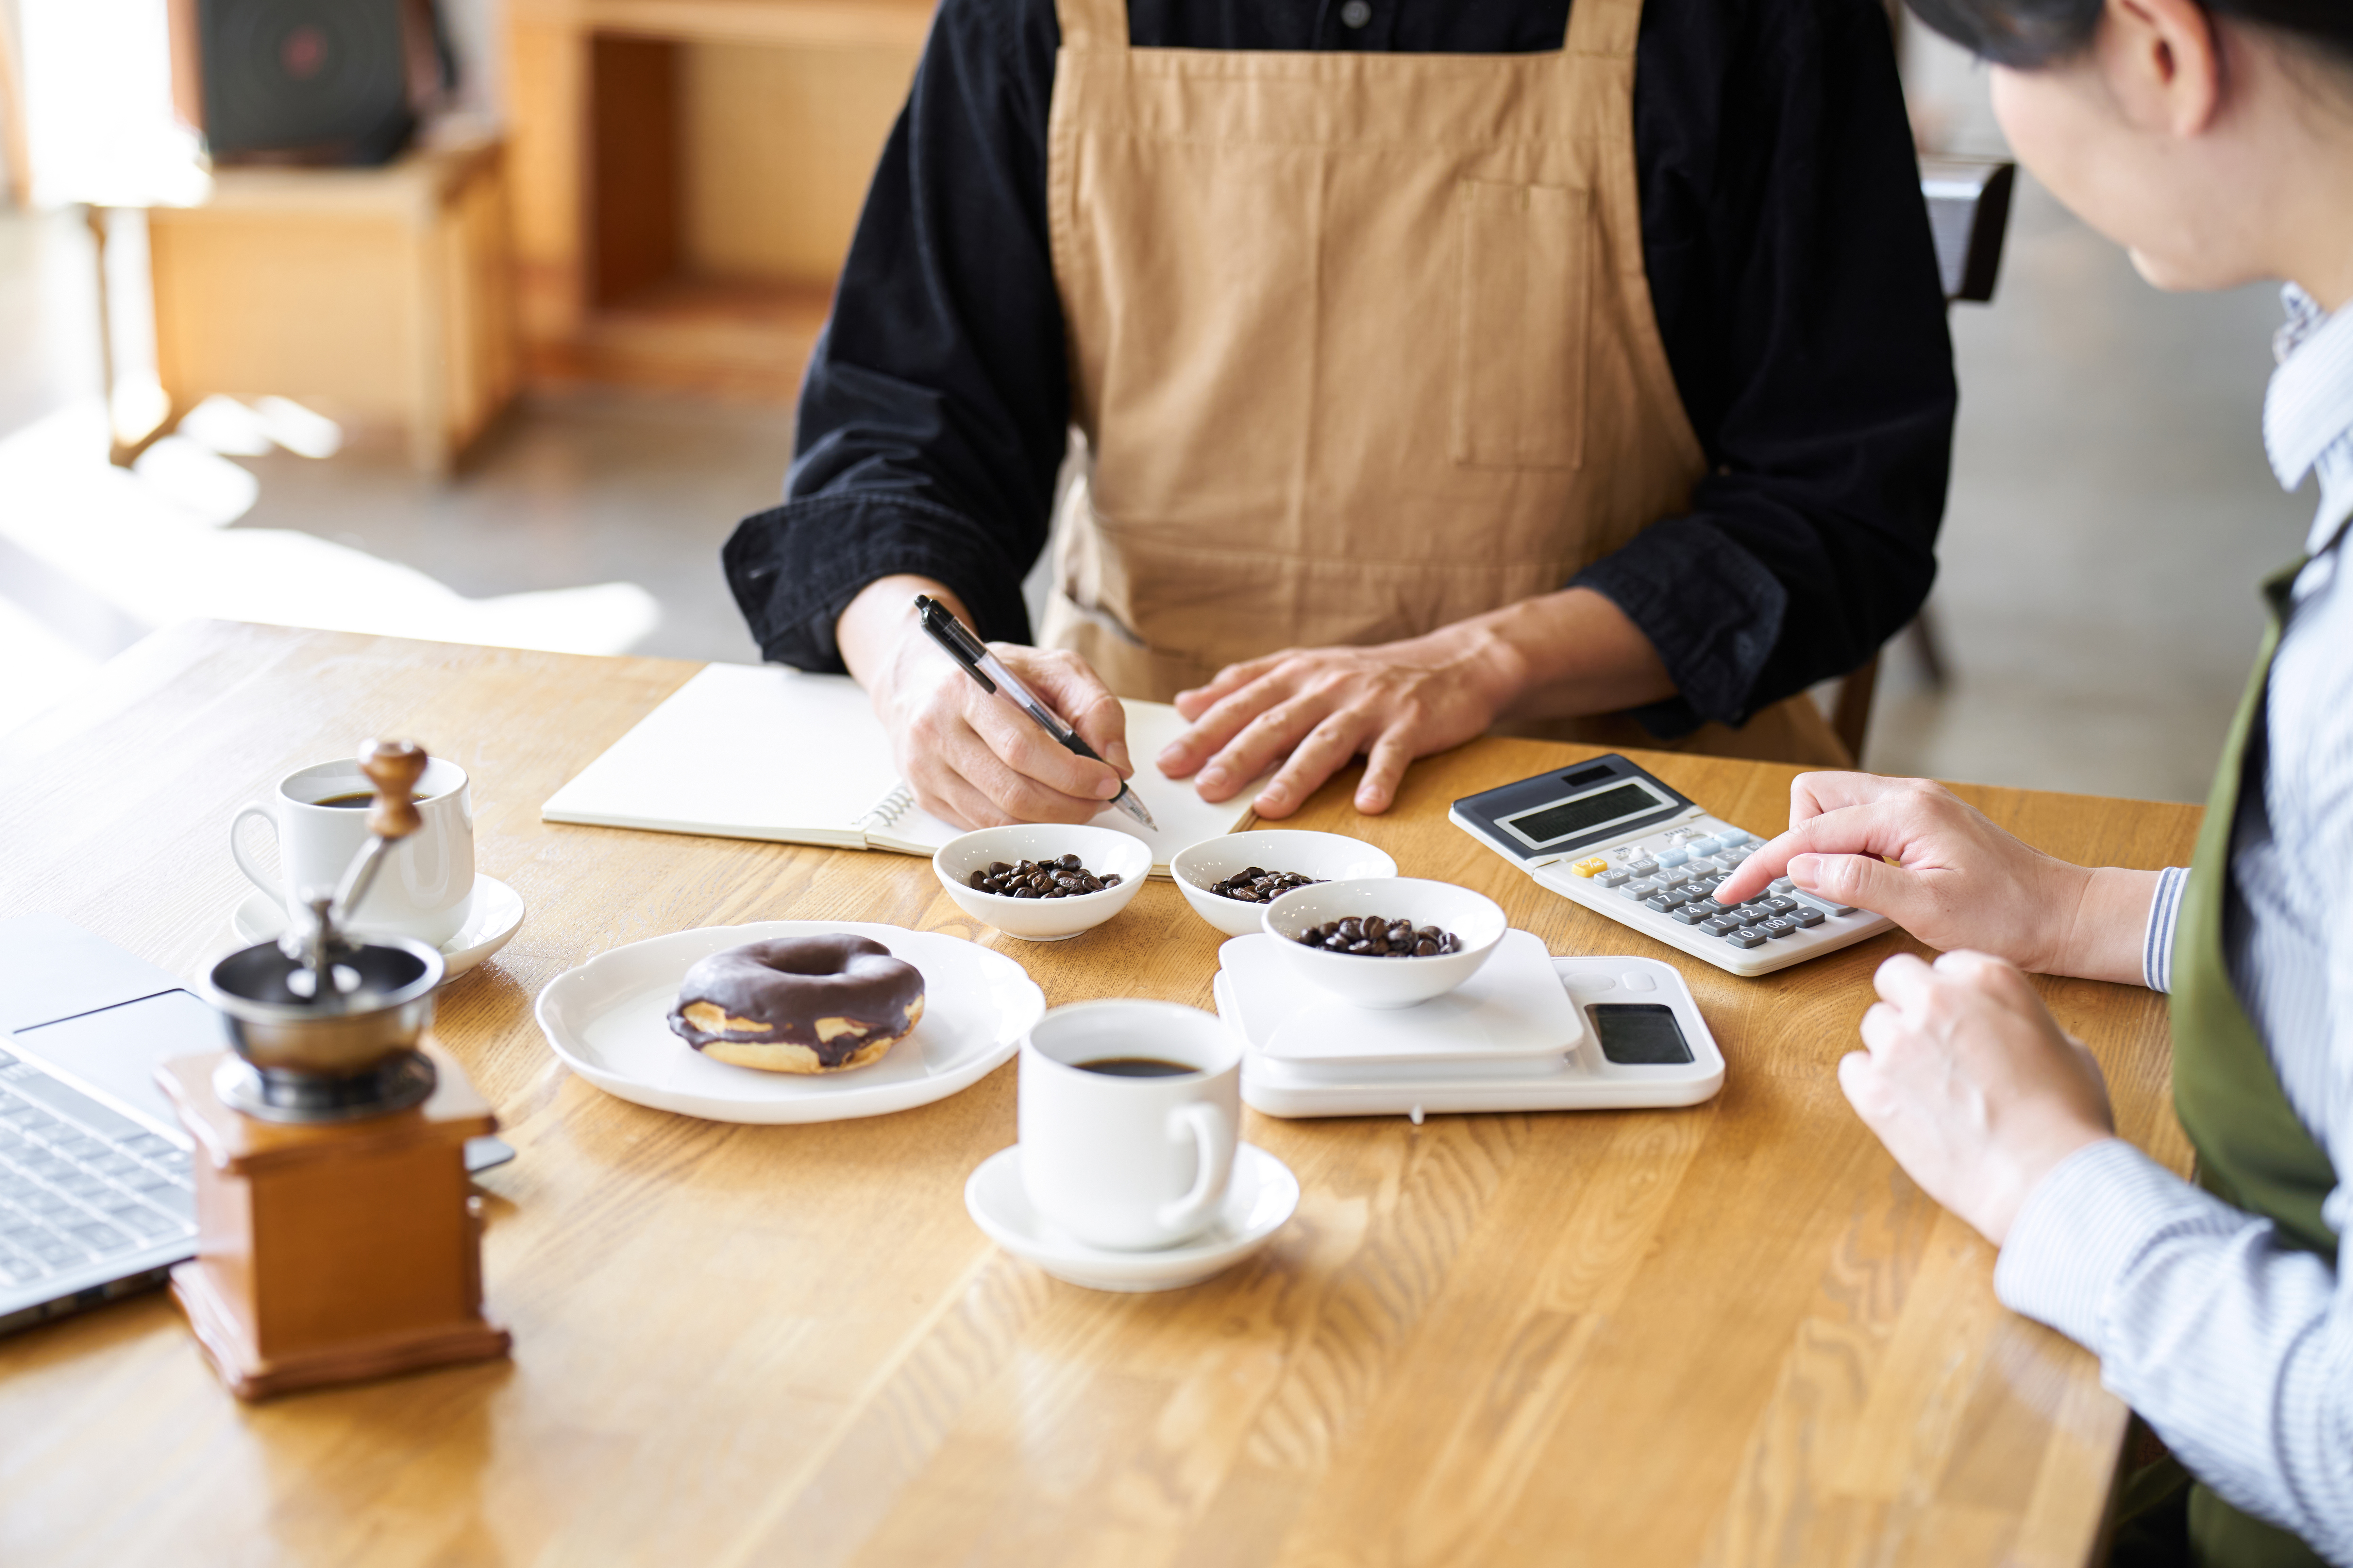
[
  {"x": 1621, "y": 842},
  {"x": 1528, "y": 1032}
]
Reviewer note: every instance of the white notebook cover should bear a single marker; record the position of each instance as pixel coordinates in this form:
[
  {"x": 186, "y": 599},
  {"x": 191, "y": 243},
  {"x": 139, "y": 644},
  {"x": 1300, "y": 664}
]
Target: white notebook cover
[{"x": 762, "y": 751}]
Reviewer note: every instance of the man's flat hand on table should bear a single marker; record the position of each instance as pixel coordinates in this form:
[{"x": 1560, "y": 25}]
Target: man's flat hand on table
[{"x": 1317, "y": 709}]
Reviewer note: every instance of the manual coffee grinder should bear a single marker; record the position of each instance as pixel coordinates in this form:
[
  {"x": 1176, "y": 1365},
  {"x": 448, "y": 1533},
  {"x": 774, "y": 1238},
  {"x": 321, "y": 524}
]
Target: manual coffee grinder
[{"x": 337, "y": 1237}]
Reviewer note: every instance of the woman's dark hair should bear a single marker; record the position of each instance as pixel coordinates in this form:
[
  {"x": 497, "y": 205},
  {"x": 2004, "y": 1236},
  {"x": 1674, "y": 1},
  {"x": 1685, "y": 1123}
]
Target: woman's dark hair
[{"x": 2028, "y": 34}]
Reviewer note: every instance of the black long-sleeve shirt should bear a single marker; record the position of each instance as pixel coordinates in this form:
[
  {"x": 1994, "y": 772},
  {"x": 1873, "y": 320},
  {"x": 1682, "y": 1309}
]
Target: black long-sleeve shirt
[{"x": 1789, "y": 263}]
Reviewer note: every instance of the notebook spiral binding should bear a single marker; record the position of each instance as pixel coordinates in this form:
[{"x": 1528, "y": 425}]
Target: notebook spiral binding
[{"x": 886, "y": 812}]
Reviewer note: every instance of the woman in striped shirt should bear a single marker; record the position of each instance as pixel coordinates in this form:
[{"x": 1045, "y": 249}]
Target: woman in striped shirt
[{"x": 2215, "y": 141}]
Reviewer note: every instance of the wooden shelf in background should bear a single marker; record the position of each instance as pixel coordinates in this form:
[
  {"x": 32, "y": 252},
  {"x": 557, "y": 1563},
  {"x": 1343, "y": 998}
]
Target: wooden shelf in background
[
  {"x": 381, "y": 297},
  {"x": 802, "y": 23},
  {"x": 733, "y": 338},
  {"x": 686, "y": 176}
]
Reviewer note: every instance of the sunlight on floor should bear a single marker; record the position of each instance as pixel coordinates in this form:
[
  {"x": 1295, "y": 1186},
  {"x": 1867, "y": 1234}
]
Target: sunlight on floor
[
  {"x": 41, "y": 667},
  {"x": 155, "y": 542}
]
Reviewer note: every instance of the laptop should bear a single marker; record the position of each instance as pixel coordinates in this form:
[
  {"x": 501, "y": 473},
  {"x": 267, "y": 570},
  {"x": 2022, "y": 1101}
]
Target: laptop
[{"x": 97, "y": 1201}]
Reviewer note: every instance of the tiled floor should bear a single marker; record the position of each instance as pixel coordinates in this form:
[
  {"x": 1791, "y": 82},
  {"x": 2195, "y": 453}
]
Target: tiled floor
[{"x": 2110, "y": 513}]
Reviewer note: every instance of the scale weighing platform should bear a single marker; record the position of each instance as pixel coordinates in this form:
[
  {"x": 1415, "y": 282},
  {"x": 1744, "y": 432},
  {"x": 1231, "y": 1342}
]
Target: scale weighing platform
[
  {"x": 1616, "y": 840},
  {"x": 1528, "y": 1032}
]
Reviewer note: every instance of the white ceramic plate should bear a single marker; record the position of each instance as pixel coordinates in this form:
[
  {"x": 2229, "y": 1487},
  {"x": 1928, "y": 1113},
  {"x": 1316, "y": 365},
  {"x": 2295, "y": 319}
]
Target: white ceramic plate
[
  {"x": 609, "y": 1020},
  {"x": 491, "y": 922},
  {"x": 1259, "y": 1201}
]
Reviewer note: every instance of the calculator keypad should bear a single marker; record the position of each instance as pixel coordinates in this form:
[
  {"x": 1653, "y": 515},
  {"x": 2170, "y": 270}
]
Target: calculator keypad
[{"x": 1676, "y": 875}]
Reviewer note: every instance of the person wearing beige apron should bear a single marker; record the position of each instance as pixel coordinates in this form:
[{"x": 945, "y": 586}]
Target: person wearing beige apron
[
  {"x": 2215, "y": 137},
  {"x": 1369, "y": 398}
]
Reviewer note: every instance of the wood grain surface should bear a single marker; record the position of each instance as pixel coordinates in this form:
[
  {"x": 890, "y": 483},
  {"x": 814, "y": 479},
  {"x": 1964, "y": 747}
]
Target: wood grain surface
[{"x": 1729, "y": 1334}]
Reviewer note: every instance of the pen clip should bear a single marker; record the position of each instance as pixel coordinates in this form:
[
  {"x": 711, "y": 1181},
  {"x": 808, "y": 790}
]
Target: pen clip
[{"x": 940, "y": 623}]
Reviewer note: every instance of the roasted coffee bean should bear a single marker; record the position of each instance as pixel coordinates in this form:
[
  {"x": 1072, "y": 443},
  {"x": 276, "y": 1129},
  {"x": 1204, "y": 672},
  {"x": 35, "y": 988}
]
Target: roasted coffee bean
[
  {"x": 1257, "y": 885},
  {"x": 1060, "y": 877},
  {"x": 1373, "y": 936}
]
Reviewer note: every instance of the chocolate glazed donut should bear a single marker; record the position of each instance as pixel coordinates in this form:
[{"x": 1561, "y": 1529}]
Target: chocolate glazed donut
[{"x": 801, "y": 1003}]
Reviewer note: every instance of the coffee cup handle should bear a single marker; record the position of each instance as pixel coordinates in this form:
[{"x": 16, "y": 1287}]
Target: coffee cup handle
[
  {"x": 236, "y": 852},
  {"x": 1214, "y": 1140}
]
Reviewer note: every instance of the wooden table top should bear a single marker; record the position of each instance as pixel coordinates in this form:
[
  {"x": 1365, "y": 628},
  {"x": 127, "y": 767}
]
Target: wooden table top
[{"x": 1731, "y": 1333}]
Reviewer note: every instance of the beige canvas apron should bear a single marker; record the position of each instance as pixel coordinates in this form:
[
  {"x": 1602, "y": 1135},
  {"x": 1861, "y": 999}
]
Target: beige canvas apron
[{"x": 1361, "y": 344}]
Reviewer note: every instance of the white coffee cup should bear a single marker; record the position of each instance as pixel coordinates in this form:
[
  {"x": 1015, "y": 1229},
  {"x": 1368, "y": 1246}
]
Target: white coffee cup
[
  {"x": 1129, "y": 1162},
  {"x": 424, "y": 887}
]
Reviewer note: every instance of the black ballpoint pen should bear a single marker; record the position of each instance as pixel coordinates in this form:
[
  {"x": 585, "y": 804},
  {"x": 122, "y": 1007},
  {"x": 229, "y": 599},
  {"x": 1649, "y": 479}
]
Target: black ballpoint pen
[{"x": 939, "y": 623}]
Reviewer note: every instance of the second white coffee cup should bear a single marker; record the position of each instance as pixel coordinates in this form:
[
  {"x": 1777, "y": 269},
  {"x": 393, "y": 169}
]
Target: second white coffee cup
[
  {"x": 1130, "y": 1112},
  {"x": 424, "y": 888}
]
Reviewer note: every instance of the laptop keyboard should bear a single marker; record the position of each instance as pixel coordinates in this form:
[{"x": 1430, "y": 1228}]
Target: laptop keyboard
[{"x": 70, "y": 1198}]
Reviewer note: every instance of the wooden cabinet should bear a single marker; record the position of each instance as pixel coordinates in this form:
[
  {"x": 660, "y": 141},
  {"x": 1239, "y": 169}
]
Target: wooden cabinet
[
  {"x": 686, "y": 176},
  {"x": 383, "y": 297}
]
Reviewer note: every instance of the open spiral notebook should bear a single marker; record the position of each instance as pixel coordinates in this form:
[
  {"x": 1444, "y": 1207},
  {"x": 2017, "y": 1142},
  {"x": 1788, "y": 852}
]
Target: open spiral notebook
[{"x": 764, "y": 751}]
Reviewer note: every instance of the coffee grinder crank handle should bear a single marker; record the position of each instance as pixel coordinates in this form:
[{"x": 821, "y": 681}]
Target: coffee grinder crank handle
[{"x": 394, "y": 767}]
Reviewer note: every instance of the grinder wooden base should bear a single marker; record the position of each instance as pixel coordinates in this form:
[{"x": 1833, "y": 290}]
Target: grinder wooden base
[{"x": 330, "y": 1253}]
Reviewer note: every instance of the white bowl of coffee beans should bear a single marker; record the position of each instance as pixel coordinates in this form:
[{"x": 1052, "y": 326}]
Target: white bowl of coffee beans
[
  {"x": 1043, "y": 882},
  {"x": 1230, "y": 879},
  {"x": 1391, "y": 942}
]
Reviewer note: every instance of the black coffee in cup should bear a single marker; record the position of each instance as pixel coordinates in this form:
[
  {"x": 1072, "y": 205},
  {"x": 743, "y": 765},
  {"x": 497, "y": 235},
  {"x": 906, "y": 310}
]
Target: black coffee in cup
[
  {"x": 1136, "y": 1067},
  {"x": 365, "y": 797}
]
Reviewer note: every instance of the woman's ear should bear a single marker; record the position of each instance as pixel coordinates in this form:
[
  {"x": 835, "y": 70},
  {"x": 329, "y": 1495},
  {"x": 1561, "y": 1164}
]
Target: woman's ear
[{"x": 2163, "y": 62}]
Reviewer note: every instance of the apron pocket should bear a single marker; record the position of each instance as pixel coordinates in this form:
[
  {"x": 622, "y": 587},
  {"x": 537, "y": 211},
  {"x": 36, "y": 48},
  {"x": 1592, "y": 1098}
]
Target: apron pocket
[{"x": 1519, "y": 354}]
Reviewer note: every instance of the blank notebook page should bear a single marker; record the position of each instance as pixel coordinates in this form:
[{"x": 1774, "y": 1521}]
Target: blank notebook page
[{"x": 762, "y": 751}]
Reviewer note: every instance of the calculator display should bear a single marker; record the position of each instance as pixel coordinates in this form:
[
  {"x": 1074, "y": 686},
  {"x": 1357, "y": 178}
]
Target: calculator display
[
  {"x": 1639, "y": 1033},
  {"x": 1570, "y": 817}
]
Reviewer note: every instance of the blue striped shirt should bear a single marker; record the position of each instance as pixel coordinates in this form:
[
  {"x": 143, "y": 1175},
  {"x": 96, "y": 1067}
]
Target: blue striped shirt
[{"x": 2237, "y": 1350}]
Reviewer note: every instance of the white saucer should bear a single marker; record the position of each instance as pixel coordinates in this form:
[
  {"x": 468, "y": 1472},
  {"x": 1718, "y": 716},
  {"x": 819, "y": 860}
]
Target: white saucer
[
  {"x": 490, "y": 923},
  {"x": 609, "y": 1020},
  {"x": 1262, "y": 1197}
]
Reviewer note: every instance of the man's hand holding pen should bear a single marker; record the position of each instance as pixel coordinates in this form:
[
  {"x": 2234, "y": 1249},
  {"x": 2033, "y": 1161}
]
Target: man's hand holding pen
[{"x": 970, "y": 757}]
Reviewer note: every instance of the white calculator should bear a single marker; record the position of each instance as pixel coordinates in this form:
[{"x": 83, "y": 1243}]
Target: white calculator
[{"x": 1608, "y": 834}]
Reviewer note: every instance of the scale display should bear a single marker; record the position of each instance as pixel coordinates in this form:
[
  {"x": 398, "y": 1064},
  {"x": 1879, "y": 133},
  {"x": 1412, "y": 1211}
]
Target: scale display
[{"x": 1639, "y": 1034}]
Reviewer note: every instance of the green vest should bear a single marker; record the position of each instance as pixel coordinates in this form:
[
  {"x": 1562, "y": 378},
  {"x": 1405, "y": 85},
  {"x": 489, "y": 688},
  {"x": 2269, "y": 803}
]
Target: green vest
[{"x": 2253, "y": 1152}]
